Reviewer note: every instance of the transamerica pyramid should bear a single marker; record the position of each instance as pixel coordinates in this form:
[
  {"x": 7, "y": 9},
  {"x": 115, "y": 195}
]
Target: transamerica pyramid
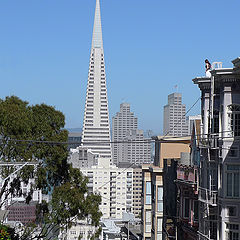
[{"x": 96, "y": 127}]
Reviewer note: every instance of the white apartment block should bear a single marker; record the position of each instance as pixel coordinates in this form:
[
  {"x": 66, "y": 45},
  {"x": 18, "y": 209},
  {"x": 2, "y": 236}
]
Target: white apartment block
[
  {"x": 79, "y": 229},
  {"x": 174, "y": 122},
  {"x": 115, "y": 186}
]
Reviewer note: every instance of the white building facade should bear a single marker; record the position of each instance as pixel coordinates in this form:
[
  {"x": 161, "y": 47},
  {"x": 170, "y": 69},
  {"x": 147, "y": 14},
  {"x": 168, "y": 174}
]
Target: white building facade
[{"x": 115, "y": 186}]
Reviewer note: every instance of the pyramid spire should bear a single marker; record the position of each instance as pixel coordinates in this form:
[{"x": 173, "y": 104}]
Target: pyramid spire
[
  {"x": 96, "y": 126},
  {"x": 97, "y": 29}
]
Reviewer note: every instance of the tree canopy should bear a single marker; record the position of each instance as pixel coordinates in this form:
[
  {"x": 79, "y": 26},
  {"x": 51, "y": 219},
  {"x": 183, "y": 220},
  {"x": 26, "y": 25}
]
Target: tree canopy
[{"x": 35, "y": 133}]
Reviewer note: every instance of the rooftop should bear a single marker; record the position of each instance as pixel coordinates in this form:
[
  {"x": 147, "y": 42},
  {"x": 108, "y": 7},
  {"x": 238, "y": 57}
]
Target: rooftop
[{"x": 172, "y": 139}]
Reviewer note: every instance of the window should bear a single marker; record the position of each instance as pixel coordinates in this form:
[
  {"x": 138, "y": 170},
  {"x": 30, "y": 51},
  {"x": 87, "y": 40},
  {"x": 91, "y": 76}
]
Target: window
[
  {"x": 233, "y": 152},
  {"x": 148, "y": 221},
  {"x": 232, "y": 231},
  {"x": 215, "y": 121},
  {"x": 159, "y": 199},
  {"x": 195, "y": 211},
  {"x": 231, "y": 211},
  {"x": 234, "y": 119},
  {"x": 233, "y": 186},
  {"x": 148, "y": 193},
  {"x": 186, "y": 208},
  {"x": 159, "y": 228}
]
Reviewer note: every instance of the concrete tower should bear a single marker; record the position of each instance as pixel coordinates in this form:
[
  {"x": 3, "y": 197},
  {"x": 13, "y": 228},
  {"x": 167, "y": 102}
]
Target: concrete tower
[
  {"x": 175, "y": 116},
  {"x": 96, "y": 129},
  {"x": 121, "y": 123}
]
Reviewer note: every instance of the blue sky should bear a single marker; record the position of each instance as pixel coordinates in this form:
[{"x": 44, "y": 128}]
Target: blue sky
[{"x": 150, "y": 46}]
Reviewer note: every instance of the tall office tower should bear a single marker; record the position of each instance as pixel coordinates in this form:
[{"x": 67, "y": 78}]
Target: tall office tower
[
  {"x": 96, "y": 129},
  {"x": 175, "y": 116},
  {"x": 121, "y": 123}
]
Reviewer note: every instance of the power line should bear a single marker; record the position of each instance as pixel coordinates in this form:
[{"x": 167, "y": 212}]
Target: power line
[{"x": 147, "y": 140}]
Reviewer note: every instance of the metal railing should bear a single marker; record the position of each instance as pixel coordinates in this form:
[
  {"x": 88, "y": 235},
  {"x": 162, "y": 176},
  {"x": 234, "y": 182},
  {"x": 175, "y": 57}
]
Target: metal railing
[{"x": 207, "y": 196}]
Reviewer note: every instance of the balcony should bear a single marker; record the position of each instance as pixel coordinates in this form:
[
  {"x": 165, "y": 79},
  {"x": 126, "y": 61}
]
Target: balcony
[
  {"x": 212, "y": 141},
  {"x": 187, "y": 174},
  {"x": 207, "y": 196}
]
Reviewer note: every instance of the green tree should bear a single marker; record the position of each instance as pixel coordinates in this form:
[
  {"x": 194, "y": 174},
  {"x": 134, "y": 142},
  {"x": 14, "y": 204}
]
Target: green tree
[{"x": 36, "y": 134}]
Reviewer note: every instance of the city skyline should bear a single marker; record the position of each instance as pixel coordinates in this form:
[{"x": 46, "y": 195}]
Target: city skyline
[{"x": 45, "y": 46}]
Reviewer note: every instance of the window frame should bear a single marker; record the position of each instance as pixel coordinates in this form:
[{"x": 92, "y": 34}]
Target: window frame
[
  {"x": 233, "y": 117},
  {"x": 148, "y": 199},
  {"x": 232, "y": 173},
  {"x": 159, "y": 198}
]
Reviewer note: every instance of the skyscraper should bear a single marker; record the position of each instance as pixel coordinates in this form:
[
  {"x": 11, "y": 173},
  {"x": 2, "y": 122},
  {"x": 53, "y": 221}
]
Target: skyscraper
[
  {"x": 123, "y": 121},
  {"x": 96, "y": 129},
  {"x": 175, "y": 116},
  {"x": 137, "y": 149}
]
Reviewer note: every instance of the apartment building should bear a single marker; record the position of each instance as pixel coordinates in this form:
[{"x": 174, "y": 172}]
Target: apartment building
[
  {"x": 137, "y": 191},
  {"x": 152, "y": 194},
  {"x": 115, "y": 186},
  {"x": 187, "y": 185},
  {"x": 219, "y": 174}
]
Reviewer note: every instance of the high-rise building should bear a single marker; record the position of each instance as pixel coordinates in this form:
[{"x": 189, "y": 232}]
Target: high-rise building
[
  {"x": 131, "y": 146},
  {"x": 96, "y": 128},
  {"x": 123, "y": 121},
  {"x": 175, "y": 116}
]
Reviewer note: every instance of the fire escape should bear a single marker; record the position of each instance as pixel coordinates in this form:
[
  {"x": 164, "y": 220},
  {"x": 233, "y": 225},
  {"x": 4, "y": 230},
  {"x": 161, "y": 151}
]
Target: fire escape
[{"x": 208, "y": 185}]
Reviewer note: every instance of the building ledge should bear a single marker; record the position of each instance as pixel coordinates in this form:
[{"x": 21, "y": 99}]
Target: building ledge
[
  {"x": 186, "y": 182},
  {"x": 198, "y": 80},
  {"x": 156, "y": 169}
]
